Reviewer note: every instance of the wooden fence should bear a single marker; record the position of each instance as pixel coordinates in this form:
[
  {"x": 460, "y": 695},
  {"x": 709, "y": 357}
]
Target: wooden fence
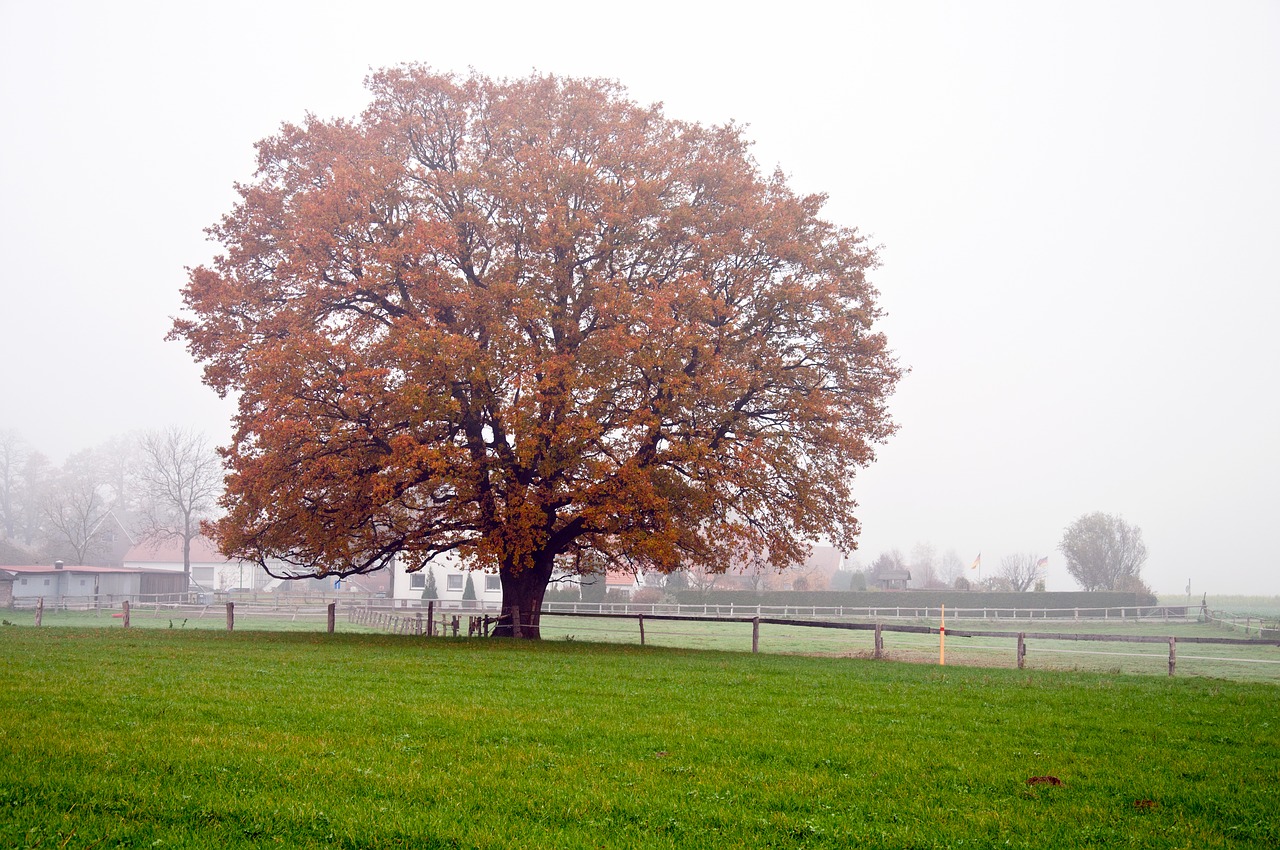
[
  {"x": 1018, "y": 639},
  {"x": 425, "y": 623},
  {"x": 451, "y": 621},
  {"x": 1249, "y": 623}
]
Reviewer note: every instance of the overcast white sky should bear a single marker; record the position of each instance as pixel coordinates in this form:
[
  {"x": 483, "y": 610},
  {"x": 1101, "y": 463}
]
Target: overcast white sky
[{"x": 1078, "y": 202}]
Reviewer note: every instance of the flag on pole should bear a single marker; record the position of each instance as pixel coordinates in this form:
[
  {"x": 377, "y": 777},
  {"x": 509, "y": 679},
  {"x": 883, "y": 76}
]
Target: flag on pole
[
  {"x": 977, "y": 562},
  {"x": 1043, "y": 562}
]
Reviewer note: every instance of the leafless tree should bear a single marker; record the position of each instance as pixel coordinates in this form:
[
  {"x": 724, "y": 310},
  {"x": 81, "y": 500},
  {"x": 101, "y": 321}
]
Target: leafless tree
[
  {"x": 119, "y": 461},
  {"x": 179, "y": 479},
  {"x": 12, "y": 454},
  {"x": 952, "y": 568},
  {"x": 1020, "y": 570},
  {"x": 35, "y": 482},
  {"x": 924, "y": 566},
  {"x": 74, "y": 507}
]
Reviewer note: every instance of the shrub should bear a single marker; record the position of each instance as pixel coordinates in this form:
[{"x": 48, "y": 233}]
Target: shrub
[{"x": 647, "y": 596}]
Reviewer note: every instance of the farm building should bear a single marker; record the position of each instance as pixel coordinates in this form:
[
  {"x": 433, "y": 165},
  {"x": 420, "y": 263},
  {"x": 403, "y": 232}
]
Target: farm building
[{"x": 62, "y": 585}]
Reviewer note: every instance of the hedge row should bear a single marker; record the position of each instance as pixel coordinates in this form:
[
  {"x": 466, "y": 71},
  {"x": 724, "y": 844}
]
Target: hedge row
[{"x": 914, "y": 599}]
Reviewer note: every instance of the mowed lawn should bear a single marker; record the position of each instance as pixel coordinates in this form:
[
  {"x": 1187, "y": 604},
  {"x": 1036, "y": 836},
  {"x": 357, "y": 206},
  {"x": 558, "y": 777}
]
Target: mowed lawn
[{"x": 178, "y": 738}]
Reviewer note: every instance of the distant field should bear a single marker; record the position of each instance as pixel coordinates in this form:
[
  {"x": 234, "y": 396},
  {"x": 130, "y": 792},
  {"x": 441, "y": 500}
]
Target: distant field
[
  {"x": 1264, "y": 606},
  {"x": 162, "y": 738}
]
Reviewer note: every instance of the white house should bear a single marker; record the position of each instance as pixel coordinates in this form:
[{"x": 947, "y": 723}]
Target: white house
[{"x": 451, "y": 583}]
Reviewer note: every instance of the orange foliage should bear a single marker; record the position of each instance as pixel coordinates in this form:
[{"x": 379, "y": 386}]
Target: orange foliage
[{"x": 523, "y": 319}]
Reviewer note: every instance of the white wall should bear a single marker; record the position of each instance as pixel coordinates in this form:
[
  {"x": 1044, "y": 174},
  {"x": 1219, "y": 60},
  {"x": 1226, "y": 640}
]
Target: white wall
[{"x": 447, "y": 571}]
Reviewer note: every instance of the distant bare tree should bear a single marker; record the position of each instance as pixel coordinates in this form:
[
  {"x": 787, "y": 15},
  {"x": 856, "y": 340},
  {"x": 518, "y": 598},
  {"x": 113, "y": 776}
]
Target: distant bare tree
[
  {"x": 179, "y": 479},
  {"x": 12, "y": 454},
  {"x": 35, "y": 482},
  {"x": 702, "y": 579},
  {"x": 1019, "y": 570},
  {"x": 756, "y": 570},
  {"x": 74, "y": 508},
  {"x": 924, "y": 566},
  {"x": 951, "y": 568},
  {"x": 118, "y": 460}
]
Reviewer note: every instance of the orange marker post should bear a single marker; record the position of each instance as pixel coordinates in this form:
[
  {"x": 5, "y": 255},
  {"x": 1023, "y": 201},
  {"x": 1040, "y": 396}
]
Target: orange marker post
[{"x": 942, "y": 638}]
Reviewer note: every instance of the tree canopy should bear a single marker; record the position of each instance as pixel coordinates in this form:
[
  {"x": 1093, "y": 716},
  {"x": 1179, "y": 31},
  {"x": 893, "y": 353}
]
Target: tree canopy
[
  {"x": 1104, "y": 552},
  {"x": 520, "y": 320}
]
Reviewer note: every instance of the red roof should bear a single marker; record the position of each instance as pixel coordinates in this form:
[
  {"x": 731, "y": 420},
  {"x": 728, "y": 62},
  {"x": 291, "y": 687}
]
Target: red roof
[
  {"x": 47, "y": 568},
  {"x": 169, "y": 551}
]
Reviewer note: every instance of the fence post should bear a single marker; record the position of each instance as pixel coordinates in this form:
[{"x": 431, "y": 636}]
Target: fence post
[
  {"x": 431, "y": 612},
  {"x": 1173, "y": 654},
  {"x": 333, "y": 615},
  {"x": 418, "y": 627},
  {"x": 231, "y": 616},
  {"x": 1022, "y": 649},
  {"x": 39, "y": 610},
  {"x": 515, "y": 621},
  {"x": 879, "y": 651},
  {"x": 125, "y": 606},
  {"x": 755, "y": 634},
  {"x": 640, "y": 617}
]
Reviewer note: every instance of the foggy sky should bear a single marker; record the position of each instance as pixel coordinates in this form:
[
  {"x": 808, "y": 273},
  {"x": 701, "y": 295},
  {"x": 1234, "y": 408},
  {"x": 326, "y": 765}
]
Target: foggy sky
[{"x": 1078, "y": 203}]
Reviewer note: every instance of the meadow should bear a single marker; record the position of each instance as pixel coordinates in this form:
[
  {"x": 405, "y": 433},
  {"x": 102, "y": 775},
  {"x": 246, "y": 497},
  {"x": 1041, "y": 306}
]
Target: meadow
[{"x": 182, "y": 738}]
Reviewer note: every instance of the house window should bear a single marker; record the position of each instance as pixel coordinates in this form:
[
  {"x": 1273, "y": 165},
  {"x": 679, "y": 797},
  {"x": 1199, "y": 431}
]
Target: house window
[
  {"x": 454, "y": 582},
  {"x": 417, "y": 581},
  {"x": 82, "y": 582},
  {"x": 46, "y": 582},
  {"x": 492, "y": 583},
  {"x": 24, "y": 581}
]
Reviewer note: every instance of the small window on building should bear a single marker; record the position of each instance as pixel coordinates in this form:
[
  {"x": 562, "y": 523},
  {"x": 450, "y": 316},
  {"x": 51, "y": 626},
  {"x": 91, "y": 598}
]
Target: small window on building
[
  {"x": 454, "y": 582},
  {"x": 82, "y": 582},
  {"x": 24, "y": 581},
  {"x": 46, "y": 582},
  {"x": 417, "y": 581},
  {"x": 492, "y": 583}
]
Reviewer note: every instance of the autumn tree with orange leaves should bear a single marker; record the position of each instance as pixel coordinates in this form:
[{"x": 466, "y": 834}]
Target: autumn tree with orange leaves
[{"x": 527, "y": 321}]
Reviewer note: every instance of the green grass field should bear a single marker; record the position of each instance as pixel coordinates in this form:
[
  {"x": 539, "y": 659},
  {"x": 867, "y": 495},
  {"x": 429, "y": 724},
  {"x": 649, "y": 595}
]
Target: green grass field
[{"x": 181, "y": 738}]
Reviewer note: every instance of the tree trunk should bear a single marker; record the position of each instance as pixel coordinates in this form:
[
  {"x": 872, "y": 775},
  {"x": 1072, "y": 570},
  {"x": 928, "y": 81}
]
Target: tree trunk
[{"x": 523, "y": 591}]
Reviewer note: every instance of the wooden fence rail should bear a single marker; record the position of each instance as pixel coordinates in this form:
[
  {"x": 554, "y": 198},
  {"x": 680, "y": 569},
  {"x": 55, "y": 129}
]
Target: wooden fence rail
[
  {"x": 1020, "y": 638},
  {"x": 449, "y": 622}
]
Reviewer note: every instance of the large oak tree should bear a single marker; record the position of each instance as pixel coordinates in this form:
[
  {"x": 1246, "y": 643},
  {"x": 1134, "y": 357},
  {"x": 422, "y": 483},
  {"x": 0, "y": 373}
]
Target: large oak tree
[{"x": 523, "y": 320}]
